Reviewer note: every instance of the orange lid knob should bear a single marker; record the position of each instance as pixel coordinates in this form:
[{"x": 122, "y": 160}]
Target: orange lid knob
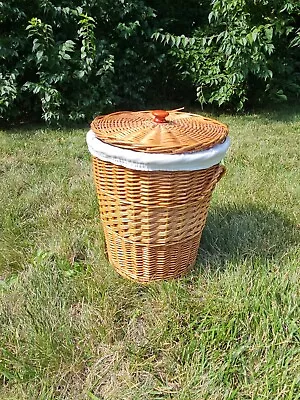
[{"x": 160, "y": 116}]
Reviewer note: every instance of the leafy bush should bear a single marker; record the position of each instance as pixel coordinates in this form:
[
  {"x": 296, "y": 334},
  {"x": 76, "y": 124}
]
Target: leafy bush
[
  {"x": 72, "y": 61},
  {"x": 69, "y": 60},
  {"x": 247, "y": 51}
]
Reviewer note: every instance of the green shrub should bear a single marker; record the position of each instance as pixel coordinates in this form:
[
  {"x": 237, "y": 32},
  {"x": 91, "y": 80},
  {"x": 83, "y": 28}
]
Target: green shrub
[
  {"x": 71, "y": 60},
  {"x": 247, "y": 50}
]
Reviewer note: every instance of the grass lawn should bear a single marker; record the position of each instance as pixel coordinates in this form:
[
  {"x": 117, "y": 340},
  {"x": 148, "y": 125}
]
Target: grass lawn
[{"x": 70, "y": 328}]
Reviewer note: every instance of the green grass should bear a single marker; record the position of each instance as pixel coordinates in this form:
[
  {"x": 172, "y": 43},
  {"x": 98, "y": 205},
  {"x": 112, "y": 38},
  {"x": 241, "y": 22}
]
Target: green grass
[{"x": 70, "y": 328}]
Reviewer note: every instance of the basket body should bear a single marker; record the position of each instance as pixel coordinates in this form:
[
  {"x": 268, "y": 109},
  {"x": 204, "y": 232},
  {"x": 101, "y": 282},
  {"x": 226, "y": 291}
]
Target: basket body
[{"x": 153, "y": 221}]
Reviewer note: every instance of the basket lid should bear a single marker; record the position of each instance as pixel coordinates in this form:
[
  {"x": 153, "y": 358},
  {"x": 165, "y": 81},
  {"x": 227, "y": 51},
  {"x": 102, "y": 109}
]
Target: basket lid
[{"x": 159, "y": 131}]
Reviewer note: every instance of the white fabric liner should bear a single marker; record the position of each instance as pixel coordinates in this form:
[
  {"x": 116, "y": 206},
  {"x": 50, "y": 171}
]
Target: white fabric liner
[{"x": 156, "y": 162}]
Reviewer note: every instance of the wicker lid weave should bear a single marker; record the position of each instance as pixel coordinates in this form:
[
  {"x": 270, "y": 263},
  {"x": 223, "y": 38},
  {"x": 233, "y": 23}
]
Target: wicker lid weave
[{"x": 159, "y": 131}]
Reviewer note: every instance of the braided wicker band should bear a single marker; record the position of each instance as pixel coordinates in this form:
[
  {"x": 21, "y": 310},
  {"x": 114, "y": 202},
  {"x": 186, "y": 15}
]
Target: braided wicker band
[{"x": 192, "y": 161}]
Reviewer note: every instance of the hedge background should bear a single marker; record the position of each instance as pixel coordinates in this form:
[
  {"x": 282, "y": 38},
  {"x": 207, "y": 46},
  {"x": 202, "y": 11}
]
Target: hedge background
[{"x": 69, "y": 60}]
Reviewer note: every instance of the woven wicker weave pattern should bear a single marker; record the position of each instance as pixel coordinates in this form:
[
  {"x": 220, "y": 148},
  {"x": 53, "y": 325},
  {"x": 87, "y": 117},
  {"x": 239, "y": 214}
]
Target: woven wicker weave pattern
[
  {"x": 145, "y": 264},
  {"x": 153, "y": 221},
  {"x": 181, "y": 133}
]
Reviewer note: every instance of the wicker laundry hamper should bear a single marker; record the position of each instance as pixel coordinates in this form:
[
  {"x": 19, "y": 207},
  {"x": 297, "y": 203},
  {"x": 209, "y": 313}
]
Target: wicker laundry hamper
[{"x": 154, "y": 174}]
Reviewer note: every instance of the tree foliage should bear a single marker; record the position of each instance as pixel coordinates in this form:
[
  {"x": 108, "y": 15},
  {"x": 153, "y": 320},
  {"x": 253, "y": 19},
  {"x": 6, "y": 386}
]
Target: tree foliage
[
  {"x": 248, "y": 50},
  {"x": 69, "y": 60}
]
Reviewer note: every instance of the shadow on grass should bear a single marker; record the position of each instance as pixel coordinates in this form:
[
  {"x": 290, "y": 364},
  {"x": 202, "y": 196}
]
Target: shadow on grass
[{"x": 235, "y": 233}]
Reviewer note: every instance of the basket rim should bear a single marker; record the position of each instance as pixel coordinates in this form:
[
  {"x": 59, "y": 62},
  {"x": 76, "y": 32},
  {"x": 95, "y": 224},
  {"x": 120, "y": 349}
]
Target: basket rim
[{"x": 140, "y": 161}]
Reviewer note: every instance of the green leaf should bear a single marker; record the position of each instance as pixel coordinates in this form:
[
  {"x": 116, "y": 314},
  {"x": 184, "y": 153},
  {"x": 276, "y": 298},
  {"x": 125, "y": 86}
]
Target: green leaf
[
  {"x": 185, "y": 41},
  {"x": 178, "y": 41},
  {"x": 269, "y": 33},
  {"x": 155, "y": 35},
  {"x": 173, "y": 40},
  {"x": 80, "y": 74},
  {"x": 36, "y": 45},
  {"x": 254, "y": 35},
  {"x": 39, "y": 55}
]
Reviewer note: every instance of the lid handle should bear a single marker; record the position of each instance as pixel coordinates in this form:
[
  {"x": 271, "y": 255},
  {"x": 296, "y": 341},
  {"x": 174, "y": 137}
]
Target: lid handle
[{"x": 160, "y": 116}]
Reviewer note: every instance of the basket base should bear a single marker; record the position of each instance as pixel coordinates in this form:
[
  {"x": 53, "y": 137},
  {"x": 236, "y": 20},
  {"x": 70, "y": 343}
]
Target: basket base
[{"x": 144, "y": 263}]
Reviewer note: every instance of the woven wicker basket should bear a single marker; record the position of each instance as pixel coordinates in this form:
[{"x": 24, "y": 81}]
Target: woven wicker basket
[{"x": 153, "y": 219}]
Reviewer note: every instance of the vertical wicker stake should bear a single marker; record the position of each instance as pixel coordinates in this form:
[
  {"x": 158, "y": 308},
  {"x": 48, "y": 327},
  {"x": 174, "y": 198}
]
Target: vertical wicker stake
[{"x": 153, "y": 207}]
